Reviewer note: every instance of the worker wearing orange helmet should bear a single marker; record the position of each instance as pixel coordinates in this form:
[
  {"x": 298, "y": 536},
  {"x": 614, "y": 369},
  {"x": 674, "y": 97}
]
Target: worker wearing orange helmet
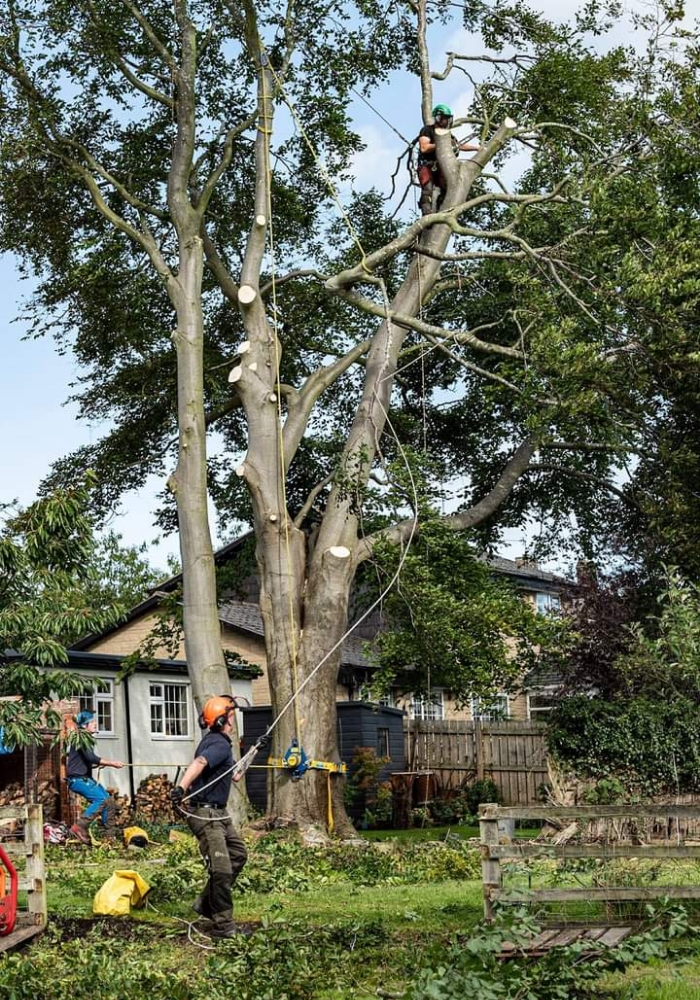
[{"x": 208, "y": 782}]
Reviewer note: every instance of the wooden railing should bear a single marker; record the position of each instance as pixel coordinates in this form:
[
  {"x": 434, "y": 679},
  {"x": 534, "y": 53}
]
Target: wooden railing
[
  {"x": 493, "y": 852},
  {"x": 25, "y": 848}
]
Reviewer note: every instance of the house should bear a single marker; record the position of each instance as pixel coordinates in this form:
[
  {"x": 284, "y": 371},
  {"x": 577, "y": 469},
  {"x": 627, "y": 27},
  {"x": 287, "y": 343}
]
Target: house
[{"x": 151, "y": 719}]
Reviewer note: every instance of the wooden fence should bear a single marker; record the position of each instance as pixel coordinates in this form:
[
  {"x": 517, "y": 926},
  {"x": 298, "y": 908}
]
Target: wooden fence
[
  {"x": 511, "y": 754},
  {"x": 494, "y": 850}
]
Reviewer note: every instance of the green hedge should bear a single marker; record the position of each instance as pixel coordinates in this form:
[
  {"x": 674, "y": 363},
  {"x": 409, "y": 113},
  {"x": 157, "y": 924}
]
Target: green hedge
[{"x": 651, "y": 746}]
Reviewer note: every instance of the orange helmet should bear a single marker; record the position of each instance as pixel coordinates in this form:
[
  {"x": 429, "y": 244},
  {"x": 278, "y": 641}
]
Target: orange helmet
[{"x": 216, "y": 711}]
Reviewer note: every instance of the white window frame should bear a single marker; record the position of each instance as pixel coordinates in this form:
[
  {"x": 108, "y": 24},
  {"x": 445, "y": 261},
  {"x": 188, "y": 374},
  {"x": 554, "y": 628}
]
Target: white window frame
[
  {"x": 540, "y": 693},
  {"x": 160, "y": 699},
  {"x": 546, "y": 603},
  {"x": 430, "y": 709},
  {"x": 92, "y": 701},
  {"x": 386, "y": 700},
  {"x": 486, "y": 713}
]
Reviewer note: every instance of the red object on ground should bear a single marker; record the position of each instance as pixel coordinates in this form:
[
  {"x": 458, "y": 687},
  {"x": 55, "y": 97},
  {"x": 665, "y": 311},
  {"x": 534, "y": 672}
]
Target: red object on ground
[{"x": 8, "y": 900}]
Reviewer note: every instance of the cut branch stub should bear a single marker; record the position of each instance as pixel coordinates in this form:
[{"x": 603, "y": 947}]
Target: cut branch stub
[
  {"x": 235, "y": 374},
  {"x": 260, "y": 220},
  {"x": 246, "y": 295},
  {"x": 339, "y": 551}
]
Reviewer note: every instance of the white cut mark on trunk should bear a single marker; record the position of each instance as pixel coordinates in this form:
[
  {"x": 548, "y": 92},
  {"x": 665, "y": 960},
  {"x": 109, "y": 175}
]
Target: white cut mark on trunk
[
  {"x": 240, "y": 471},
  {"x": 260, "y": 220},
  {"x": 253, "y": 367},
  {"x": 273, "y": 517},
  {"x": 509, "y": 123},
  {"x": 235, "y": 374},
  {"x": 339, "y": 551},
  {"x": 246, "y": 294},
  {"x": 244, "y": 348},
  {"x": 272, "y": 398}
]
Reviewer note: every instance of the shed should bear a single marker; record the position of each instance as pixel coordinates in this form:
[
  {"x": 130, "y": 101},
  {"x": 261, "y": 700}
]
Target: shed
[{"x": 360, "y": 724}]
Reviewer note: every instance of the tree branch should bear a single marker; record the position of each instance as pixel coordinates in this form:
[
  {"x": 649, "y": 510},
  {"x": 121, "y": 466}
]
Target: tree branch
[{"x": 399, "y": 533}]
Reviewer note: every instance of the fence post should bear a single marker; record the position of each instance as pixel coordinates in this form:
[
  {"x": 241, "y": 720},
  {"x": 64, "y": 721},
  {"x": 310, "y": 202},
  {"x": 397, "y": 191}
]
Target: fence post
[
  {"x": 479, "y": 749},
  {"x": 34, "y": 845},
  {"x": 490, "y": 867}
]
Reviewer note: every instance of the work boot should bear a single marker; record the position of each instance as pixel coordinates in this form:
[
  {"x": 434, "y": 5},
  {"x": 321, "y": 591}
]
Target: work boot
[
  {"x": 222, "y": 931},
  {"x": 109, "y": 815},
  {"x": 223, "y": 925},
  {"x": 201, "y": 906},
  {"x": 81, "y": 830}
]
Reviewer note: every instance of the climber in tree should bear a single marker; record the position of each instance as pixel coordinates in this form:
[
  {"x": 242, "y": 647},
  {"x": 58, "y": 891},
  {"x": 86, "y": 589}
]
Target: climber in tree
[{"x": 430, "y": 176}]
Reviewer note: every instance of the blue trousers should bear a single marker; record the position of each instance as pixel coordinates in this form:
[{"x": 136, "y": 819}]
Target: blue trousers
[{"x": 95, "y": 794}]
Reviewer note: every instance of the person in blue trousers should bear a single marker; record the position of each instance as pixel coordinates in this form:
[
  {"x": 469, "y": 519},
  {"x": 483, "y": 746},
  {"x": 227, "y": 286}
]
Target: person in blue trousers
[{"x": 79, "y": 767}]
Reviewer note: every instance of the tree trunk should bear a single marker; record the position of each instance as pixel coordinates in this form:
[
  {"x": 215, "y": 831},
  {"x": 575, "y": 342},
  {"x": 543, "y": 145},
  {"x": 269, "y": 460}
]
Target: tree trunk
[{"x": 205, "y": 661}]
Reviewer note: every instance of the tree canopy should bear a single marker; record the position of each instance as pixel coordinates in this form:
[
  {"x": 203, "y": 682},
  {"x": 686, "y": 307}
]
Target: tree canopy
[
  {"x": 46, "y": 585},
  {"x": 170, "y": 171}
]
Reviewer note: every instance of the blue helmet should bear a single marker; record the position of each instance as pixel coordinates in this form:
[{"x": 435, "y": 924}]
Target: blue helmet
[{"x": 84, "y": 719}]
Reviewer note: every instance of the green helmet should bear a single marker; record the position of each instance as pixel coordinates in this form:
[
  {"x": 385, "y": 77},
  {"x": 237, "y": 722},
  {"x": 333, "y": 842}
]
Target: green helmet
[{"x": 442, "y": 109}]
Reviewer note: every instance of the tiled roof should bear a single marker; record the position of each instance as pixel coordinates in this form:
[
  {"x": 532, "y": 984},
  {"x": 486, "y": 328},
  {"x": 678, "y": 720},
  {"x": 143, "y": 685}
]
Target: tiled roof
[
  {"x": 524, "y": 570},
  {"x": 248, "y": 618}
]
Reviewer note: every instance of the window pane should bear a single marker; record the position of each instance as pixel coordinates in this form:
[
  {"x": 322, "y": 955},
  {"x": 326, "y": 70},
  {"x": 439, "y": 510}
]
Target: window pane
[
  {"x": 492, "y": 710},
  {"x": 157, "y": 719},
  {"x": 547, "y": 603},
  {"x": 104, "y": 716}
]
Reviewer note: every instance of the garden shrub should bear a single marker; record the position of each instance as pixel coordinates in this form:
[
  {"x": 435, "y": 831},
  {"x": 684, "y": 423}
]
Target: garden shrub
[
  {"x": 651, "y": 747},
  {"x": 480, "y": 791}
]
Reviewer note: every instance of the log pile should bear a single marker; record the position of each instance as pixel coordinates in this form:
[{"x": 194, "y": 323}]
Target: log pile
[
  {"x": 152, "y": 803},
  {"x": 47, "y": 796},
  {"x": 124, "y": 810}
]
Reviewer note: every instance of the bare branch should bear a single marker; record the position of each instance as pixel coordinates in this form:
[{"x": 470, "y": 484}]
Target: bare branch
[
  {"x": 217, "y": 267},
  {"x": 515, "y": 468},
  {"x": 311, "y": 500},
  {"x": 414, "y": 323},
  {"x": 150, "y": 34}
]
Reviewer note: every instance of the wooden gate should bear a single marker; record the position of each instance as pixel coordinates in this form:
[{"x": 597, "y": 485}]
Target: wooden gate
[
  {"x": 22, "y": 837},
  {"x": 493, "y": 852}
]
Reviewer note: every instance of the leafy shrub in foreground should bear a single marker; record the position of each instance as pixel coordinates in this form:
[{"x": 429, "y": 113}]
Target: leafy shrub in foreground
[{"x": 471, "y": 968}]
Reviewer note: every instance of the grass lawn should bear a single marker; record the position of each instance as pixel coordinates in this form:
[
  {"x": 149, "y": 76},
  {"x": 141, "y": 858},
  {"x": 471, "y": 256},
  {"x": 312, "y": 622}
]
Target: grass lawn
[{"x": 349, "y": 923}]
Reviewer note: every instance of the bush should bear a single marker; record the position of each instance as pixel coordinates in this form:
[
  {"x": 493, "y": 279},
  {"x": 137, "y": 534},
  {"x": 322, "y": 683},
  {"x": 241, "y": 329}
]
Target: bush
[
  {"x": 650, "y": 747},
  {"x": 484, "y": 790}
]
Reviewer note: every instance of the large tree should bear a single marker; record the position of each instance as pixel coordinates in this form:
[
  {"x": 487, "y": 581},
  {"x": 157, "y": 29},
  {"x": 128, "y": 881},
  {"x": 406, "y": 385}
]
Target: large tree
[{"x": 179, "y": 160}]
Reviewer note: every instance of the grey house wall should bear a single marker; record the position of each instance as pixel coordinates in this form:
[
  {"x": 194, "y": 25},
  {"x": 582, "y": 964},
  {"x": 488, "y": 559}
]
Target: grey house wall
[{"x": 360, "y": 724}]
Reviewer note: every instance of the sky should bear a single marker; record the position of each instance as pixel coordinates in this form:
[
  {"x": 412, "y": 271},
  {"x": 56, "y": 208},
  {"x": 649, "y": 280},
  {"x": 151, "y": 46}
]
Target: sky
[{"x": 37, "y": 426}]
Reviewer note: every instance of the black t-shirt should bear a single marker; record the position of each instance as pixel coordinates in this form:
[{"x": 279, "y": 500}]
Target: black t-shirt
[
  {"x": 428, "y": 131},
  {"x": 80, "y": 763},
  {"x": 216, "y": 749}
]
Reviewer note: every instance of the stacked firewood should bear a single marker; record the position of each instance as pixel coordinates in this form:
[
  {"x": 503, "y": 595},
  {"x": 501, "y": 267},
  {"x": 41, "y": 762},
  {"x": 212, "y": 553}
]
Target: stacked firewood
[
  {"x": 47, "y": 796},
  {"x": 124, "y": 810},
  {"x": 152, "y": 802}
]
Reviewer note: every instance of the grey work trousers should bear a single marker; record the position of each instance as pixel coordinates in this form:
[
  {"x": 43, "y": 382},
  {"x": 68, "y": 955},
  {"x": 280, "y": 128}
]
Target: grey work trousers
[{"x": 224, "y": 854}]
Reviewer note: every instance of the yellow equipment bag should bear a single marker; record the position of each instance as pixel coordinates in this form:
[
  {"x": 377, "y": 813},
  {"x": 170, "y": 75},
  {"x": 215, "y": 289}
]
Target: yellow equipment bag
[
  {"x": 136, "y": 837},
  {"x": 121, "y": 891}
]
